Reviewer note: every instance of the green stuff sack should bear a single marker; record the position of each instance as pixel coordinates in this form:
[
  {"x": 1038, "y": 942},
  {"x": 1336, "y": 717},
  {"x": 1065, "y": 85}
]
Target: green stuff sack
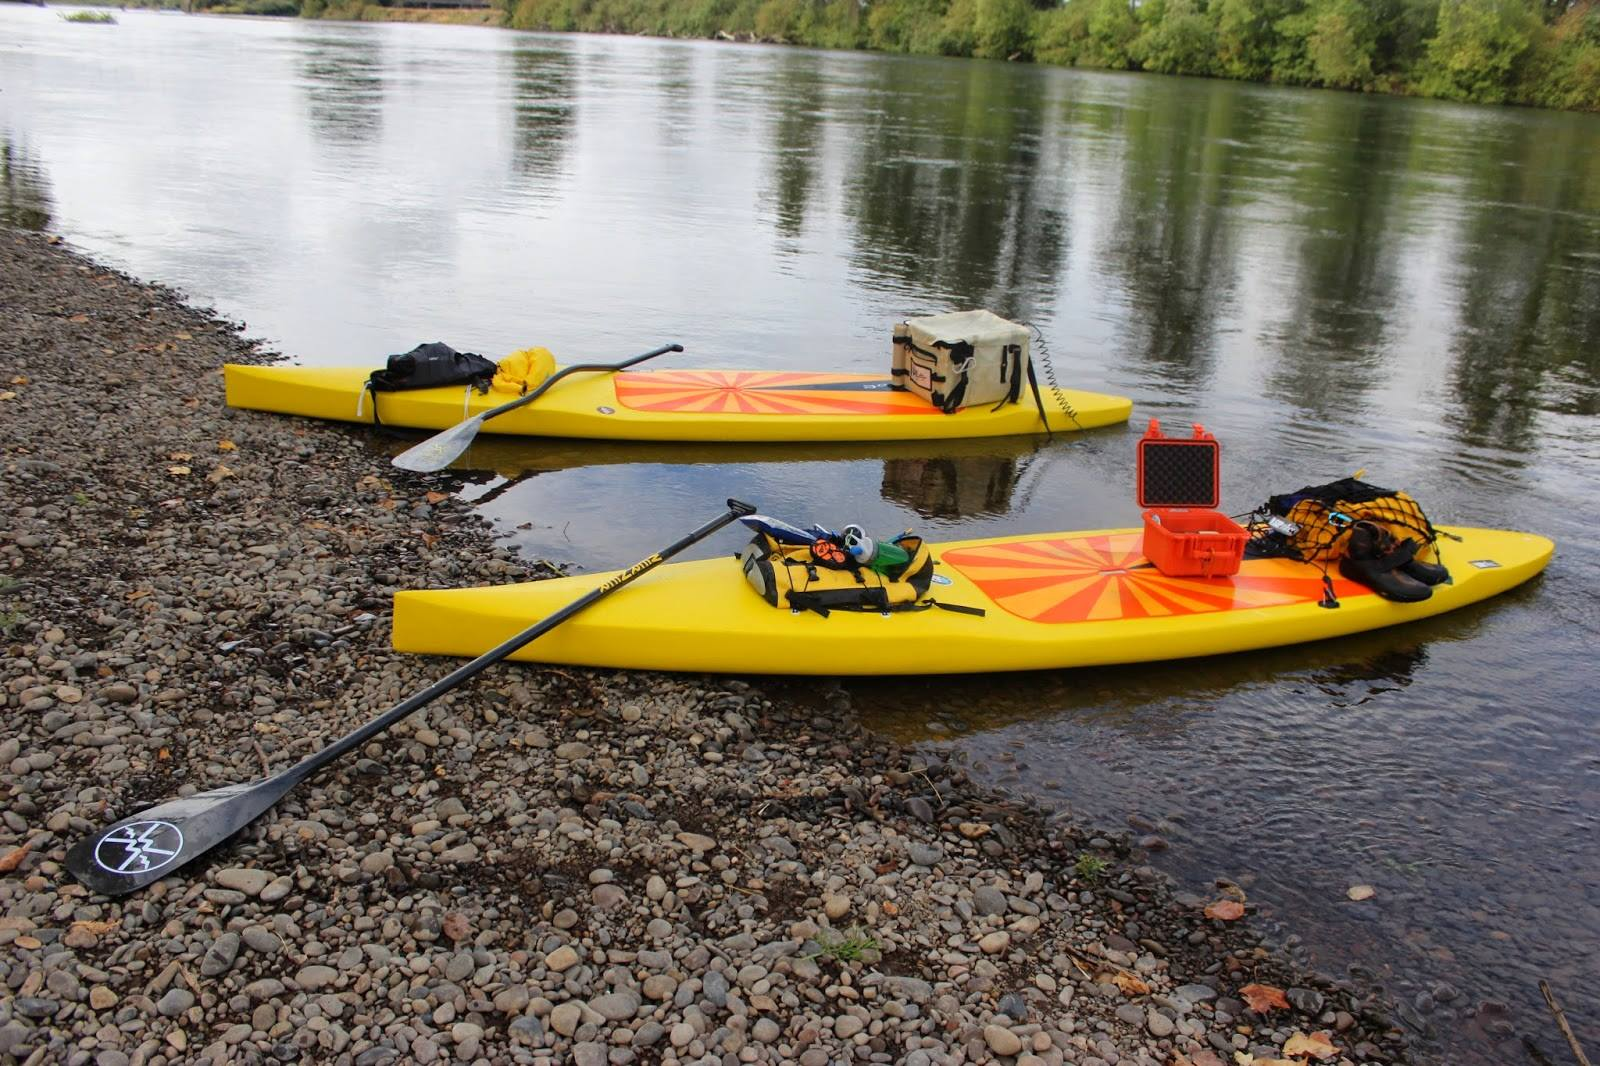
[{"x": 788, "y": 575}]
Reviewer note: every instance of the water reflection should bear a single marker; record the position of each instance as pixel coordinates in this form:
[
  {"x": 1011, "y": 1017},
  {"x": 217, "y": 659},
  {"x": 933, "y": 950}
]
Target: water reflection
[
  {"x": 1349, "y": 286},
  {"x": 344, "y": 87},
  {"x": 1172, "y": 246},
  {"x": 947, "y": 192},
  {"x": 676, "y": 122},
  {"x": 798, "y": 124},
  {"x": 1141, "y": 701},
  {"x": 544, "y": 83},
  {"x": 961, "y": 479},
  {"x": 1530, "y": 309},
  {"x": 24, "y": 188},
  {"x": 953, "y": 486}
]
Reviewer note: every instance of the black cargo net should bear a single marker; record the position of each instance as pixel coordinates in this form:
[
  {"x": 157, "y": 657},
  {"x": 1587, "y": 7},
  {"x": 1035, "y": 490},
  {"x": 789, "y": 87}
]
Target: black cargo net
[{"x": 1324, "y": 515}]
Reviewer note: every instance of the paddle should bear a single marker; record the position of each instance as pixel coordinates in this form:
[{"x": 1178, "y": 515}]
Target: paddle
[
  {"x": 147, "y": 846},
  {"x": 442, "y": 449}
]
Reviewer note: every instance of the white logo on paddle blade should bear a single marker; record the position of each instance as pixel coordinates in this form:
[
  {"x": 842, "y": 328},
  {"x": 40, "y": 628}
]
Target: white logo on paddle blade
[{"x": 139, "y": 847}]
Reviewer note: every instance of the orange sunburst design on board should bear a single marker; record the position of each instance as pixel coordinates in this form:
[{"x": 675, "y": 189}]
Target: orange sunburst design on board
[
  {"x": 760, "y": 392},
  {"x": 1093, "y": 579}
]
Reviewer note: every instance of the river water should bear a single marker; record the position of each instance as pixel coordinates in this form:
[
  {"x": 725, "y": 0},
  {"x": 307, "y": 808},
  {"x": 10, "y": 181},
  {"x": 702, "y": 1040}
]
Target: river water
[{"x": 1327, "y": 281}]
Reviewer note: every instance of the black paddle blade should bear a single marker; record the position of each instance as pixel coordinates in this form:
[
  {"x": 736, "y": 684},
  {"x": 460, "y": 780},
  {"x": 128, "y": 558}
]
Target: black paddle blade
[{"x": 148, "y": 846}]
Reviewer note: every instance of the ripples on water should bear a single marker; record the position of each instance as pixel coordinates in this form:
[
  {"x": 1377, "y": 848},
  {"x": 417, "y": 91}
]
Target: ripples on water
[{"x": 1327, "y": 281}]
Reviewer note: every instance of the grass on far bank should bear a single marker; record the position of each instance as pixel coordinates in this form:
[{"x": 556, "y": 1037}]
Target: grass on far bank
[{"x": 94, "y": 18}]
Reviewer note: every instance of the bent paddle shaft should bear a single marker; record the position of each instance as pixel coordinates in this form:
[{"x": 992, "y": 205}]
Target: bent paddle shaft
[
  {"x": 442, "y": 449},
  {"x": 148, "y": 846}
]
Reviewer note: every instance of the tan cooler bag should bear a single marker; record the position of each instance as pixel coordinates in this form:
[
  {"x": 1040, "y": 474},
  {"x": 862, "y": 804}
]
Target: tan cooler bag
[{"x": 961, "y": 359}]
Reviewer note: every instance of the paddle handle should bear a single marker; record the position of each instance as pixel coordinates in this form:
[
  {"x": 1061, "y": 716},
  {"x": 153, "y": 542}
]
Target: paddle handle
[
  {"x": 523, "y": 401},
  {"x": 736, "y": 509}
]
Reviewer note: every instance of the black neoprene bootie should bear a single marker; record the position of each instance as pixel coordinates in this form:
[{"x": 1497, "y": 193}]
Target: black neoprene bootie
[
  {"x": 1427, "y": 573},
  {"x": 1376, "y": 561}
]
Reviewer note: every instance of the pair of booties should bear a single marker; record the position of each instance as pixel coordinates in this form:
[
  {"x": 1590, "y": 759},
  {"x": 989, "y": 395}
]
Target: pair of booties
[{"x": 1389, "y": 567}]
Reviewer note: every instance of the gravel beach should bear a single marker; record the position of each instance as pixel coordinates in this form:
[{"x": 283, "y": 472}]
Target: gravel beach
[{"x": 544, "y": 866}]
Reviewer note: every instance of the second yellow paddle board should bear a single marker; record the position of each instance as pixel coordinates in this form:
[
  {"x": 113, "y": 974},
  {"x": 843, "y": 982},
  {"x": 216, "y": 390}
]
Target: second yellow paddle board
[{"x": 673, "y": 405}]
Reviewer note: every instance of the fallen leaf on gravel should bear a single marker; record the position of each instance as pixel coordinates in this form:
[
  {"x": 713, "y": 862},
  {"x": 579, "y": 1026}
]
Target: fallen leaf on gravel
[
  {"x": 1361, "y": 892},
  {"x": 164, "y": 754},
  {"x": 1317, "y": 1045},
  {"x": 220, "y": 472},
  {"x": 8, "y": 395},
  {"x": 20, "y": 379},
  {"x": 1130, "y": 985},
  {"x": 1244, "y": 1058},
  {"x": 428, "y": 539},
  {"x": 435, "y": 497},
  {"x": 973, "y": 830},
  {"x": 388, "y": 505},
  {"x": 97, "y": 928},
  {"x": 78, "y": 318},
  {"x": 171, "y": 505},
  {"x": 185, "y": 337},
  {"x": 1226, "y": 910},
  {"x": 456, "y": 926},
  {"x": 178, "y": 471},
  {"x": 1263, "y": 998},
  {"x": 227, "y": 446},
  {"x": 181, "y": 457},
  {"x": 13, "y": 858}
]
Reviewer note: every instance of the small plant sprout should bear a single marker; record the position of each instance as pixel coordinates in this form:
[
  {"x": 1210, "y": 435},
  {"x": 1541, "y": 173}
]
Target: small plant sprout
[{"x": 1089, "y": 867}]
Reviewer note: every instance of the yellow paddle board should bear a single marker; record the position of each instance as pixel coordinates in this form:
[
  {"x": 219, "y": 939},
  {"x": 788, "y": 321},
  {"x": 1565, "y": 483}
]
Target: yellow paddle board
[
  {"x": 1050, "y": 600},
  {"x": 672, "y": 405}
]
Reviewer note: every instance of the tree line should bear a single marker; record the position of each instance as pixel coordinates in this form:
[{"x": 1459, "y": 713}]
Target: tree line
[{"x": 1540, "y": 52}]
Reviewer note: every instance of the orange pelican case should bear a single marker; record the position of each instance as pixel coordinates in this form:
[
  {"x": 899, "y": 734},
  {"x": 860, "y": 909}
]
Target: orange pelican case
[{"x": 1179, "y": 487}]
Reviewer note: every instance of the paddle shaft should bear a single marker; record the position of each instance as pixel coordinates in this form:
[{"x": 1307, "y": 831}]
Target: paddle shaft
[
  {"x": 159, "y": 840},
  {"x": 523, "y": 401},
  {"x": 408, "y": 706}
]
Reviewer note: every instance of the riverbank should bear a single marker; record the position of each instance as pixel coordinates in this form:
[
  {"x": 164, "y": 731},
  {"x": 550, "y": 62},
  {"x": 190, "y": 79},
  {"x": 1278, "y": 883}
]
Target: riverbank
[
  {"x": 550, "y": 865},
  {"x": 1536, "y": 55}
]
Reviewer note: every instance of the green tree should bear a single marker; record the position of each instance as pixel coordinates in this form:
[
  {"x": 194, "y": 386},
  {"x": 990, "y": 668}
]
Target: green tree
[
  {"x": 1342, "y": 43},
  {"x": 1059, "y": 33},
  {"x": 779, "y": 20},
  {"x": 906, "y": 26},
  {"x": 1247, "y": 36},
  {"x": 1112, "y": 31},
  {"x": 836, "y": 24},
  {"x": 1480, "y": 49},
  {"x": 1175, "y": 38},
  {"x": 1404, "y": 28},
  {"x": 1001, "y": 27},
  {"x": 1566, "y": 70}
]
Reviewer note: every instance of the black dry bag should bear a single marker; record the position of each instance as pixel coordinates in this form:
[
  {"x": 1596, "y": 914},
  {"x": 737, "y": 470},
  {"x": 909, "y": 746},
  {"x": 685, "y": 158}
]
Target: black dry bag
[{"x": 429, "y": 365}]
